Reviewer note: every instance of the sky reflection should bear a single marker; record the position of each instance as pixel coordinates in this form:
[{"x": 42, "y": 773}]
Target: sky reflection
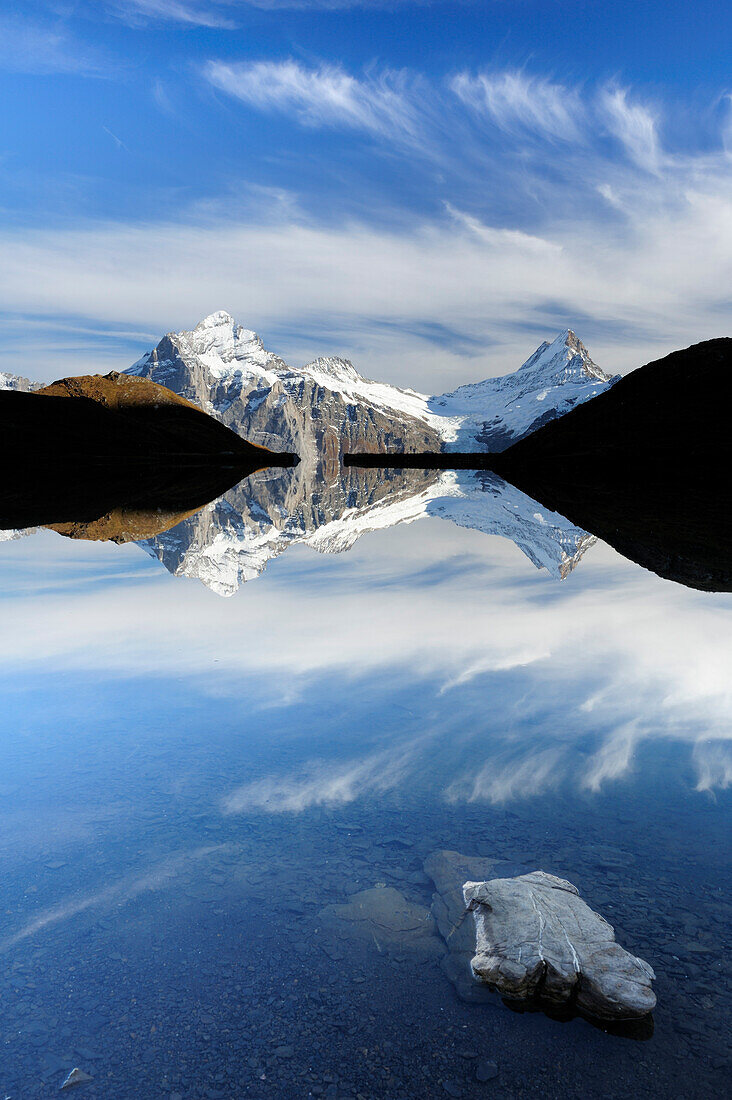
[{"x": 499, "y": 687}]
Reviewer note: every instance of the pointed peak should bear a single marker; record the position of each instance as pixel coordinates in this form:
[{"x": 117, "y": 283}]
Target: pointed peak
[
  {"x": 220, "y": 317},
  {"x": 566, "y": 338},
  {"x": 565, "y": 353}
]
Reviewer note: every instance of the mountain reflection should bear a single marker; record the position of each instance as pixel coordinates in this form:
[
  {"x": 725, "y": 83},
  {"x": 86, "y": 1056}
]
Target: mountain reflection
[
  {"x": 182, "y": 519},
  {"x": 231, "y": 540}
]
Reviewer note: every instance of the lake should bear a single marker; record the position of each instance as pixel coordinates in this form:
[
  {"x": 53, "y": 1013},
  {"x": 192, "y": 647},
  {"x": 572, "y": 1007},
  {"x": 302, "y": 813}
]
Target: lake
[{"x": 195, "y": 780}]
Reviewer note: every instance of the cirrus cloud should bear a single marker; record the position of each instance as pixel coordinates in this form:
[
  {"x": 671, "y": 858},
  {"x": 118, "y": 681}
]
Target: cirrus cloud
[
  {"x": 325, "y": 96},
  {"x": 520, "y": 103}
]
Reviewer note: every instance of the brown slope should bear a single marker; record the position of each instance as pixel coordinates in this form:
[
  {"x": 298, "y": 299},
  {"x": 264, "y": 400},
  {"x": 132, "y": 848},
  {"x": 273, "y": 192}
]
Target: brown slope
[{"x": 116, "y": 391}]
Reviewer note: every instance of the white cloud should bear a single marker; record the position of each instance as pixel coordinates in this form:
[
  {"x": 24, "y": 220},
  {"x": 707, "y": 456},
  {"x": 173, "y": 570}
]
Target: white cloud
[
  {"x": 713, "y": 760},
  {"x": 605, "y": 637},
  {"x": 634, "y": 126},
  {"x": 372, "y": 293},
  {"x": 498, "y": 781},
  {"x": 614, "y": 757},
  {"x": 518, "y": 103},
  {"x": 578, "y": 236},
  {"x": 326, "y": 96}
]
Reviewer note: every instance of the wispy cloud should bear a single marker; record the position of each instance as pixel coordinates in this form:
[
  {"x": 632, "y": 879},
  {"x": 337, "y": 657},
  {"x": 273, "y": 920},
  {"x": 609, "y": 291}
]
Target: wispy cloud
[
  {"x": 157, "y": 877},
  {"x": 324, "y": 96},
  {"x": 643, "y": 291},
  {"x": 223, "y": 13},
  {"x": 575, "y": 227},
  {"x": 117, "y": 141},
  {"x": 614, "y": 757},
  {"x": 500, "y": 781},
  {"x": 634, "y": 125},
  {"x": 42, "y": 48},
  {"x": 606, "y": 640},
  {"x": 713, "y": 760},
  {"x": 518, "y": 103},
  {"x": 198, "y": 13}
]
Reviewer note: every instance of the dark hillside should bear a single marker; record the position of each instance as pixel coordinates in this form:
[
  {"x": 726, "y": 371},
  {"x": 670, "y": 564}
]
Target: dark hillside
[
  {"x": 116, "y": 449},
  {"x": 646, "y": 466}
]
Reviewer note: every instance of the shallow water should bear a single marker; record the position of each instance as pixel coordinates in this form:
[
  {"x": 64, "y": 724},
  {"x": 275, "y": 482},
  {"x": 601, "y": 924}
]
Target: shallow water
[{"x": 187, "y": 782}]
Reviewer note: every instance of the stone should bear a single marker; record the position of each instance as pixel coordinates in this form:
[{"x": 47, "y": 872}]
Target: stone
[
  {"x": 76, "y": 1077},
  {"x": 385, "y": 917},
  {"x": 536, "y": 938},
  {"x": 485, "y": 1071}
]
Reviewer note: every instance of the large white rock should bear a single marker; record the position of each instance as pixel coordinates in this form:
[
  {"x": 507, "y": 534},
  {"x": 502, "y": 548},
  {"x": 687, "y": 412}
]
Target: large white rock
[{"x": 536, "y": 937}]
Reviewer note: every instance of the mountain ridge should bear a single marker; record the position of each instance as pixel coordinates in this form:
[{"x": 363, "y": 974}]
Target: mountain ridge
[
  {"x": 227, "y": 370},
  {"x": 232, "y": 540}
]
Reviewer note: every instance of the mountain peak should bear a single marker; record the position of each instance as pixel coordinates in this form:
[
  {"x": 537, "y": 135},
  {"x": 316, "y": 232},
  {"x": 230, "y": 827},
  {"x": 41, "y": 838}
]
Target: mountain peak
[
  {"x": 565, "y": 356},
  {"x": 214, "y": 320},
  {"x": 332, "y": 368}
]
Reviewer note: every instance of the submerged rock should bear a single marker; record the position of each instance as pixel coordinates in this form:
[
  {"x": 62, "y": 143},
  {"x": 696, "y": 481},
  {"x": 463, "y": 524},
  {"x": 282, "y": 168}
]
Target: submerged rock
[
  {"x": 76, "y": 1077},
  {"x": 449, "y": 870},
  {"x": 536, "y": 938},
  {"x": 383, "y": 916}
]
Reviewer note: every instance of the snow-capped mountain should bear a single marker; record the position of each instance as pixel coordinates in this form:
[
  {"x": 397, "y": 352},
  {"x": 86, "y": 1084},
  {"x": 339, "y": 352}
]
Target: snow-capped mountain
[
  {"x": 492, "y": 415},
  {"x": 17, "y": 382},
  {"x": 327, "y": 408},
  {"x": 231, "y": 540},
  {"x": 319, "y": 411}
]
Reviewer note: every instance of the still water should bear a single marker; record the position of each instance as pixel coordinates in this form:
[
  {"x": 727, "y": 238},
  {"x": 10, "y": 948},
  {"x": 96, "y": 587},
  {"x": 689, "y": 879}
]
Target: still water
[{"x": 191, "y": 786}]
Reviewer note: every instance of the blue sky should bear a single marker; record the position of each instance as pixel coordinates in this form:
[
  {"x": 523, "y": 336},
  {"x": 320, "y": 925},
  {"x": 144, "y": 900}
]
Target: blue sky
[{"x": 428, "y": 188}]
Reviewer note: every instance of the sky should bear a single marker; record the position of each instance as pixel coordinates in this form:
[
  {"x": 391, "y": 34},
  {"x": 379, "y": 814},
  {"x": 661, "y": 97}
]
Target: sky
[{"x": 427, "y": 188}]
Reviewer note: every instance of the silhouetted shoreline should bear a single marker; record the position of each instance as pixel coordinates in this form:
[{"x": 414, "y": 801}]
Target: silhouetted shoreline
[{"x": 424, "y": 460}]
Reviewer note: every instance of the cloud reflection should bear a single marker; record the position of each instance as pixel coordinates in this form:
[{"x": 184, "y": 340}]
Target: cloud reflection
[
  {"x": 525, "y": 684},
  {"x": 713, "y": 762},
  {"x": 322, "y": 784},
  {"x": 155, "y": 878}
]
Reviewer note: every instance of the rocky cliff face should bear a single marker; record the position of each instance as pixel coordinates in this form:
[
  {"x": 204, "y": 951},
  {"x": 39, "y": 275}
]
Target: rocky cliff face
[{"x": 319, "y": 411}]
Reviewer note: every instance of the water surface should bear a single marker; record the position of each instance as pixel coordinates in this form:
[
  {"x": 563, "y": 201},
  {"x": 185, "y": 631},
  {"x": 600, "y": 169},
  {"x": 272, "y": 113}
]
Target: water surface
[{"x": 187, "y": 782}]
